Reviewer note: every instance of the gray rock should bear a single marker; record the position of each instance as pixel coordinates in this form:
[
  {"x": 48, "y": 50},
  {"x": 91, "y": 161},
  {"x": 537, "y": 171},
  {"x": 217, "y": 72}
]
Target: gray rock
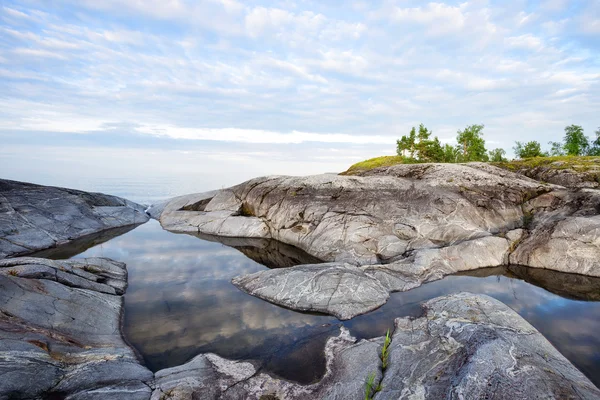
[
  {"x": 60, "y": 331},
  {"x": 209, "y": 376},
  {"x": 34, "y": 217},
  {"x": 474, "y": 347},
  {"x": 464, "y": 346},
  {"x": 562, "y": 173},
  {"x": 402, "y": 226},
  {"x": 223, "y": 218},
  {"x": 342, "y": 290}
]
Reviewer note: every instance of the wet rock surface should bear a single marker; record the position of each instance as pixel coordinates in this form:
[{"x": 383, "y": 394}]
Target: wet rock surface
[
  {"x": 463, "y": 346},
  {"x": 35, "y": 217},
  {"x": 60, "y": 331},
  {"x": 397, "y": 226}
]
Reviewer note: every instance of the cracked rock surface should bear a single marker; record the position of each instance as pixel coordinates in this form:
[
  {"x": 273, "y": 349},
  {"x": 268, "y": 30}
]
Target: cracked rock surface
[
  {"x": 35, "y": 217},
  {"x": 394, "y": 228},
  {"x": 463, "y": 346},
  {"x": 60, "y": 331}
]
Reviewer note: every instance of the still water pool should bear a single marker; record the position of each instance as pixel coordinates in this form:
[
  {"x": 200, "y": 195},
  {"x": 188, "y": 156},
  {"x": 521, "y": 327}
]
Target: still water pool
[{"x": 180, "y": 302}]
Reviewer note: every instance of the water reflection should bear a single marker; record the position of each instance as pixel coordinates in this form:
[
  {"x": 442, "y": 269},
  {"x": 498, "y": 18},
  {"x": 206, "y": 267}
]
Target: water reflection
[
  {"x": 83, "y": 243},
  {"x": 180, "y": 302},
  {"x": 270, "y": 253}
]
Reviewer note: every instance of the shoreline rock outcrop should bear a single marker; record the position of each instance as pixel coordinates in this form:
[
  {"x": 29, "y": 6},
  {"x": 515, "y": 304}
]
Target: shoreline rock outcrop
[
  {"x": 60, "y": 331},
  {"x": 60, "y": 321},
  {"x": 463, "y": 346},
  {"x": 394, "y": 228},
  {"x": 35, "y": 217}
]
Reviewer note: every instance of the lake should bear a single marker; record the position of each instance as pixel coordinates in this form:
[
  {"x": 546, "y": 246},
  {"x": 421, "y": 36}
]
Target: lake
[{"x": 180, "y": 302}]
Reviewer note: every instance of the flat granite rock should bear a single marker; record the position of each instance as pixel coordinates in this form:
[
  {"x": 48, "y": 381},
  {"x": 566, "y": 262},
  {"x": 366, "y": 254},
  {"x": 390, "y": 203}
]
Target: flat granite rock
[
  {"x": 475, "y": 347},
  {"x": 60, "y": 331},
  {"x": 339, "y": 289},
  {"x": 464, "y": 346},
  {"x": 35, "y": 217},
  {"x": 396, "y": 227}
]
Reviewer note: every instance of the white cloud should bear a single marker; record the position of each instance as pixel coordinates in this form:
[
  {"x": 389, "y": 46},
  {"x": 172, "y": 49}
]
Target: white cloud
[
  {"x": 527, "y": 41},
  {"x": 301, "y": 72},
  {"x": 438, "y": 17},
  {"x": 261, "y": 136},
  {"x": 14, "y": 13},
  {"x": 38, "y": 53}
]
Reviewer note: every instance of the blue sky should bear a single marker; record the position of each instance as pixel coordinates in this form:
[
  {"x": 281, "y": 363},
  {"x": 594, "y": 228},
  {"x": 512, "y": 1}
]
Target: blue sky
[{"x": 322, "y": 82}]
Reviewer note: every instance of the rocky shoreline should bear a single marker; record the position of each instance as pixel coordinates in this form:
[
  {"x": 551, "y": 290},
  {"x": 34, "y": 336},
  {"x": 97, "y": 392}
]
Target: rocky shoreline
[
  {"x": 394, "y": 228},
  {"x": 35, "y": 217},
  {"x": 390, "y": 230}
]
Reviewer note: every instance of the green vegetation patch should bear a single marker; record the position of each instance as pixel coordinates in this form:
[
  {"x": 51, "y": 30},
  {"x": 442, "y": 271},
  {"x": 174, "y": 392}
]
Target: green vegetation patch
[
  {"x": 575, "y": 163},
  {"x": 384, "y": 161}
]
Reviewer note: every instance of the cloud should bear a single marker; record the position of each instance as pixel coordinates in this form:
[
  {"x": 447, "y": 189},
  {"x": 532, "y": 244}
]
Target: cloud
[
  {"x": 298, "y": 72},
  {"x": 25, "y": 52},
  {"x": 261, "y": 136},
  {"x": 527, "y": 41}
]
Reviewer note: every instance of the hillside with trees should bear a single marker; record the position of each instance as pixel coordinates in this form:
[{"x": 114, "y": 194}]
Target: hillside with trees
[{"x": 421, "y": 146}]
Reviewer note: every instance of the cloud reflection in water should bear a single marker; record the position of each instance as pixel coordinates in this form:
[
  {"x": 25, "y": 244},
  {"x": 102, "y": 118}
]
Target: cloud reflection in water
[{"x": 180, "y": 302}]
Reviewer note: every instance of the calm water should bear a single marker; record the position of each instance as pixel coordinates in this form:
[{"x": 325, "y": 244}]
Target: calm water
[{"x": 180, "y": 302}]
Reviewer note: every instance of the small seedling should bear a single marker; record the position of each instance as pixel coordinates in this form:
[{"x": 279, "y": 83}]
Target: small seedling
[
  {"x": 385, "y": 350},
  {"x": 13, "y": 272},
  {"x": 369, "y": 386}
]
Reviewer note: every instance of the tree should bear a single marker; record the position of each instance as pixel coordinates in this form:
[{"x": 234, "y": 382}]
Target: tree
[
  {"x": 575, "y": 141},
  {"x": 423, "y": 142},
  {"x": 595, "y": 147},
  {"x": 450, "y": 154},
  {"x": 428, "y": 150},
  {"x": 557, "y": 149},
  {"x": 497, "y": 155},
  {"x": 407, "y": 144},
  {"x": 433, "y": 152},
  {"x": 420, "y": 147},
  {"x": 529, "y": 149},
  {"x": 471, "y": 145}
]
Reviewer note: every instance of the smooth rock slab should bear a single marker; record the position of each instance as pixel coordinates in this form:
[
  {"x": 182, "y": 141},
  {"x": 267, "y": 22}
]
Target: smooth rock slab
[
  {"x": 60, "y": 331},
  {"x": 345, "y": 291},
  {"x": 35, "y": 217},
  {"x": 342, "y": 290},
  {"x": 474, "y": 347}
]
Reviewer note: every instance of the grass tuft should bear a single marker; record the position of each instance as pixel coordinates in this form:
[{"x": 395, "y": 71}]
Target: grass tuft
[
  {"x": 385, "y": 350},
  {"x": 370, "y": 388},
  {"x": 13, "y": 272}
]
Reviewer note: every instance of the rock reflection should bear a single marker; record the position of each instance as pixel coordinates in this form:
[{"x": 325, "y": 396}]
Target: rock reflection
[
  {"x": 180, "y": 302},
  {"x": 268, "y": 252},
  {"x": 81, "y": 244}
]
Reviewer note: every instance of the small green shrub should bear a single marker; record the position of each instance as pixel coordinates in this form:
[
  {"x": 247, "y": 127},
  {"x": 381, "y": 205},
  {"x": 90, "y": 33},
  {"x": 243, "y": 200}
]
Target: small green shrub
[{"x": 527, "y": 220}]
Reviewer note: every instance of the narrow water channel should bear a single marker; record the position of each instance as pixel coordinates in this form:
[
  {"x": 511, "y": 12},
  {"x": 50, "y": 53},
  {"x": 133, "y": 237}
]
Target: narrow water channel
[{"x": 180, "y": 302}]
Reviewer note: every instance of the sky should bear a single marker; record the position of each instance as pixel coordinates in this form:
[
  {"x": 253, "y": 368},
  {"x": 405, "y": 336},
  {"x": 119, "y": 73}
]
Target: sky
[{"x": 237, "y": 89}]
